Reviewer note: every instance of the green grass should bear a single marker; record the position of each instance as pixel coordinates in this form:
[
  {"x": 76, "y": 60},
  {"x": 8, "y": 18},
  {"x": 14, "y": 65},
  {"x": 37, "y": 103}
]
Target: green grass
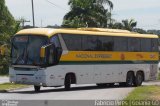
[
  {"x": 151, "y": 93},
  {"x": 143, "y": 93},
  {"x": 5, "y": 75},
  {"x": 11, "y": 86}
]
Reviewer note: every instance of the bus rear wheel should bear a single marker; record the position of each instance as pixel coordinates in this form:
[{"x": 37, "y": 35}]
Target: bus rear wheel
[
  {"x": 130, "y": 79},
  {"x": 122, "y": 84},
  {"x": 138, "y": 79},
  {"x": 36, "y": 88},
  {"x": 67, "y": 83}
]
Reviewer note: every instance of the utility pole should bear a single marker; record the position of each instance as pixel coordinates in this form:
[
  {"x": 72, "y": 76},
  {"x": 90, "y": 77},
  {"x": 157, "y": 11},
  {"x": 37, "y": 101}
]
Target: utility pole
[
  {"x": 33, "y": 13},
  {"x": 23, "y": 21}
]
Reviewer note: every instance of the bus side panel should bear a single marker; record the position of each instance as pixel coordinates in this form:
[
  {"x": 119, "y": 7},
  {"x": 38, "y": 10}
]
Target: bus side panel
[
  {"x": 56, "y": 74},
  {"x": 153, "y": 71},
  {"x": 117, "y": 72},
  {"x": 108, "y": 73},
  {"x": 92, "y": 74}
]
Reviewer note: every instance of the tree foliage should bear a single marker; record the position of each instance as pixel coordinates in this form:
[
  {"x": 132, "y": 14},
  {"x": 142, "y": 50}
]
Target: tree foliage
[
  {"x": 88, "y": 13},
  {"x": 7, "y": 22},
  {"x": 8, "y": 27},
  {"x": 127, "y": 24},
  {"x": 140, "y": 30}
]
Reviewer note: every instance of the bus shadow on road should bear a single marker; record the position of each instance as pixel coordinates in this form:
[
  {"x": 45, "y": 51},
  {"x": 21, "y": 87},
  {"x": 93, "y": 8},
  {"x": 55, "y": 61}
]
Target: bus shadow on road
[{"x": 80, "y": 88}]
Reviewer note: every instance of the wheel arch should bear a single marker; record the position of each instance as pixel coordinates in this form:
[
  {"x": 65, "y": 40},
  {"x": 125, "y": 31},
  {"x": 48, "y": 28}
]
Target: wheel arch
[{"x": 131, "y": 71}]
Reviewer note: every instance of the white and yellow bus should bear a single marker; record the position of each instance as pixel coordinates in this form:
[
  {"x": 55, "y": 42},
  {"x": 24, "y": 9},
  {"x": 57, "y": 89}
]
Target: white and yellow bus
[{"x": 61, "y": 57}]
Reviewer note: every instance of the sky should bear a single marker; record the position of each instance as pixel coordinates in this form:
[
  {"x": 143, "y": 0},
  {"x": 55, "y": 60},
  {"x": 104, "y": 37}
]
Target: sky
[{"x": 145, "y": 12}]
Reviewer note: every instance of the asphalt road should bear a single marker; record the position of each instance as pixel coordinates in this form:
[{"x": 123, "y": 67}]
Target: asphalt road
[
  {"x": 81, "y": 95},
  {"x": 80, "y": 92}
]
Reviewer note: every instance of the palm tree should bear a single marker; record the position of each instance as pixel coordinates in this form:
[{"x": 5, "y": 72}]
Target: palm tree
[
  {"x": 92, "y": 13},
  {"x": 129, "y": 24}
]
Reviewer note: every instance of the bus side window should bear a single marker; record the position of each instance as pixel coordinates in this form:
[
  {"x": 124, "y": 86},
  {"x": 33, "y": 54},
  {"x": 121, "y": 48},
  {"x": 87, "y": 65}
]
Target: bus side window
[
  {"x": 145, "y": 44},
  {"x": 105, "y": 43},
  {"x": 120, "y": 44},
  {"x": 154, "y": 45},
  {"x": 73, "y": 42},
  {"x": 89, "y": 43},
  {"x": 134, "y": 44}
]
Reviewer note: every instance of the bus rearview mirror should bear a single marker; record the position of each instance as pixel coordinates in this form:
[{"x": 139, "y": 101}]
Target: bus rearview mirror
[
  {"x": 45, "y": 50},
  {"x": 42, "y": 52}
]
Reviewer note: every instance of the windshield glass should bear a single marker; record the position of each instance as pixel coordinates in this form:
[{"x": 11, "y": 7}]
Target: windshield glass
[{"x": 26, "y": 49}]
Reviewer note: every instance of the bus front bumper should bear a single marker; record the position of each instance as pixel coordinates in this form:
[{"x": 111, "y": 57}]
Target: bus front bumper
[{"x": 29, "y": 80}]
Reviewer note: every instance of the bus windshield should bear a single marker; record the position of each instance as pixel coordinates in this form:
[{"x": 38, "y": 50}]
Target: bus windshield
[{"x": 26, "y": 49}]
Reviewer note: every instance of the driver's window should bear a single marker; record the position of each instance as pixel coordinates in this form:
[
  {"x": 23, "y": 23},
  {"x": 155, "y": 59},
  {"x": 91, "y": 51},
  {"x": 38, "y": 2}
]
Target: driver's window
[
  {"x": 58, "y": 49},
  {"x": 51, "y": 55},
  {"x": 55, "y": 40}
]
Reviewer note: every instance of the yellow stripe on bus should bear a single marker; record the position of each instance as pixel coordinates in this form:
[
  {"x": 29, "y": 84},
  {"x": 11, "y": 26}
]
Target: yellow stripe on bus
[{"x": 109, "y": 56}]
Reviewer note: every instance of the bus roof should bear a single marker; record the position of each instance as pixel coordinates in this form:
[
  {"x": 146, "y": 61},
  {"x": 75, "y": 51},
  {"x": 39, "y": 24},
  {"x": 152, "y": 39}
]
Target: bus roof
[{"x": 86, "y": 31}]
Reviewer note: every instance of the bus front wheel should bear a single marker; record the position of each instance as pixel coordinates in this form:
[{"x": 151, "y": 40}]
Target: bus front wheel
[
  {"x": 67, "y": 83},
  {"x": 37, "y": 88}
]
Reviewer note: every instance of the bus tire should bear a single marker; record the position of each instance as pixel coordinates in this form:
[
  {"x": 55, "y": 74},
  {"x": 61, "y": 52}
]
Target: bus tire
[
  {"x": 111, "y": 84},
  {"x": 138, "y": 79},
  {"x": 37, "y": 88},
  {"x": 101, "y": 85},
  {"x": 122, "y": 84},
  {"x": 130, "y": 79},
  {"x": 67, "y": 83}
]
